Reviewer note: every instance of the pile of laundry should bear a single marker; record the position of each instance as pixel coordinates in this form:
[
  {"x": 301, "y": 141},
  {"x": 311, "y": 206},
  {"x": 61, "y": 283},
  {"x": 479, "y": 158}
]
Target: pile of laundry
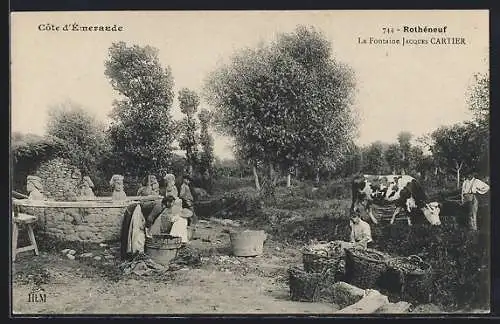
[
  {"x": 187, "y": 256},
  {"x": 142, "y": 265}
]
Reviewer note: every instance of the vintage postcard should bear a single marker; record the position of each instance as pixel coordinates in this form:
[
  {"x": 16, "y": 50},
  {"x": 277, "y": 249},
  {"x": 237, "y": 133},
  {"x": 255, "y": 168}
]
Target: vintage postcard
[{"x": 328, "y": 162}]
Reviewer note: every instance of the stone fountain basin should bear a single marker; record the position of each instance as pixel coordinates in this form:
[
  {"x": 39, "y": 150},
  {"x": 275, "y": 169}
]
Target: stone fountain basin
[{"x": 93, "y": 220}]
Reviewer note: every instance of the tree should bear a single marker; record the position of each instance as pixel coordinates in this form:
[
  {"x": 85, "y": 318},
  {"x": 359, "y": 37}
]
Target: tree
[
  {"x": 286, "y": 104},
  {"x": 478, "y": 100},
  {"x": 189, "y": 102},
  {"x": 457, "y": 147},
  {"x": 374, "y": 159},
  {"x": 393, "y": 157},
  {"x": 206, "y": 141},
  {"x": 83, "y": 136},
  {"x": 404, "y": 139},
  {"x": 142, "y": 130}
]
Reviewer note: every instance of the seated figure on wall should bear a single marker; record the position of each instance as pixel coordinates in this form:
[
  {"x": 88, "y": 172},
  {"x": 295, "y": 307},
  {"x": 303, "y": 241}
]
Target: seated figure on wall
[
  {"x": 134, "y": 223},
  {"x": 35, "y": 188},
  {"x": 145, "y": 189},
  {"x": 86, "y": 188},
  {"x": 155, "y": 185},
  {"x": 170, "y": 188},
  {"x": 187, "y": 199},
  {"x": 150, "y": 186},
  {"x": 116, "y": 184}
]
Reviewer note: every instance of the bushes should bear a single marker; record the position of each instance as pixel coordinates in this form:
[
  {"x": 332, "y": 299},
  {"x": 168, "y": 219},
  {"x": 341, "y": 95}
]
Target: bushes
[
  {"x": 459, "y": 259},
  {"x": 226, "y": 184},
  {"x": 238, "y": 204}
]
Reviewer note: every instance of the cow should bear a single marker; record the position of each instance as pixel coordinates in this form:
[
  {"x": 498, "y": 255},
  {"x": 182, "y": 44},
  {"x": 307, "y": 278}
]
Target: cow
[{"x": 402, "y": 191}]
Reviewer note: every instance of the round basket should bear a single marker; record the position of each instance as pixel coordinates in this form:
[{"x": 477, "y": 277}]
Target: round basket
[
  {"x": 317, "y": 263},
  {"x": 412, "y": 278},
  {"x": 310, "y": 286},
  {"x": 316, "y": 260},
  {"x": 365, "y": 268}
]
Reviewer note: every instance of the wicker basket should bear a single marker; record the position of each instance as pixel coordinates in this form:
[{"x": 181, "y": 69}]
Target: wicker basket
[
  {"x": 412, "y": 277},
  {"x": 310, "y": 286},
  {"x": 318, "y": 260},
  {"x": 365, "y": 268}
]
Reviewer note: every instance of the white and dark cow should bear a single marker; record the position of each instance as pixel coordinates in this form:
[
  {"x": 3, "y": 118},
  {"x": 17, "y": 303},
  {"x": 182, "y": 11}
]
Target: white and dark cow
[{"x": 402, "y": 191}]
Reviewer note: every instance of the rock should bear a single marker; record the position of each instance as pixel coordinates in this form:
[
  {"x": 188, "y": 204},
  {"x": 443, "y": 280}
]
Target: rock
[
  {"x": 64, "y": 251},
  {"x": 109, "y": 257},
  {"x": 395, "y": 308},
  {"x": 98, "y": 258},
  {"x": 426, "y": 308},
  {"x": 72, "y": 252},
  {"x": 345, "y": 294},
  {"x": 86, "y": 255},
  {"x": 70, "y": 256},
  {"x": 103, "y": 245},
  {"x": 372, "y": 301}
]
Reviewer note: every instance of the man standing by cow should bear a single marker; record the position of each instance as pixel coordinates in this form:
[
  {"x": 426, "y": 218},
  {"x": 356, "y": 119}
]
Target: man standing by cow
[{"x": 470, "y": 188}]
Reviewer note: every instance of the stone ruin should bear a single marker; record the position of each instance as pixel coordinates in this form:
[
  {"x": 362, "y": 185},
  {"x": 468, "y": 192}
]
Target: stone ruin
[{"x": 59, "y": 179}]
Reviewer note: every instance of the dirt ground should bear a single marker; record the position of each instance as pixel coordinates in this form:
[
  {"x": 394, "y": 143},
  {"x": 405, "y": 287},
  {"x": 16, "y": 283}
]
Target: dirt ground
[{"x": 221, "y": 285}]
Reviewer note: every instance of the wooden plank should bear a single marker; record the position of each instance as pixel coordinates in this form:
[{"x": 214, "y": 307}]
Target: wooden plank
[
  {"x": 26, "y": 248},
  {"x": 369, "y": 304}
]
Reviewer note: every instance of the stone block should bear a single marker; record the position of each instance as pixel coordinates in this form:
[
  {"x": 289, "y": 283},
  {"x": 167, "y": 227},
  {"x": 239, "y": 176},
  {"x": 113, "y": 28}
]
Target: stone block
[
  {"x": 395, "y": 308},
  {"x": 345, "y": 294},
  {"x": 85, "y": 235},
  {"x": 369, "y": 304},
  {"x": 58, "y": 216}
]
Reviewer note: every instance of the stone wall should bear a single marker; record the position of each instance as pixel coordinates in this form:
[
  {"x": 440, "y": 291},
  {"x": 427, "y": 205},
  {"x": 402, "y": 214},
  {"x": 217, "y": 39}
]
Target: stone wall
[
  {"x": 59, "y": 178},
  {"x": 88, "y": 221},
  {"x": 84, "y": 224}
]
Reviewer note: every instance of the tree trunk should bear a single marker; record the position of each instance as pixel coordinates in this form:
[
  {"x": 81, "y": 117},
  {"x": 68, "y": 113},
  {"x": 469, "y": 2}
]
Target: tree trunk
[
  {"x": 317, "y": 176},
  {"x": 288, "y": 180},
  {"x": 272, "y": 178},
  {"x": 256, "y": 177},
  {"x": 458, "y": 169}
]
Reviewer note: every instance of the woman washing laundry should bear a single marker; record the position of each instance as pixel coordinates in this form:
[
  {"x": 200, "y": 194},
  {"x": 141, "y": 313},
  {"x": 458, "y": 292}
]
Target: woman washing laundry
[
  {"x": 173, "y": 220},
  {"x": 149, "y": 218},
  {"x": 135, "y": 223}
]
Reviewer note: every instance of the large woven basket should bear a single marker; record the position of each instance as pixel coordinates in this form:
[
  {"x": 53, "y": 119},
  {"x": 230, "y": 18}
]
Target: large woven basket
[
  {"x": 365, "y": 268},
  {"x": 315, "y": 260},
  {"x": 412, "y": 278},
  {"x": 310, "y": 286}
]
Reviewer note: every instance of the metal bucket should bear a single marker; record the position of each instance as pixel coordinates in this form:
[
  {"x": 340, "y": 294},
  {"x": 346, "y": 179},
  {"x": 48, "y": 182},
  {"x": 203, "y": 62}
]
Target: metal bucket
[
  {"x": 247, "y": 243},
  {"x": 162, "y": 248}
]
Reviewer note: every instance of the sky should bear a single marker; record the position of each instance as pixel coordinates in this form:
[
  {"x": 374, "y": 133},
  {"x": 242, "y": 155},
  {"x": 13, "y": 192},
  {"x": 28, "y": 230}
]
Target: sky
[{"x": 415, "y": 88}]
